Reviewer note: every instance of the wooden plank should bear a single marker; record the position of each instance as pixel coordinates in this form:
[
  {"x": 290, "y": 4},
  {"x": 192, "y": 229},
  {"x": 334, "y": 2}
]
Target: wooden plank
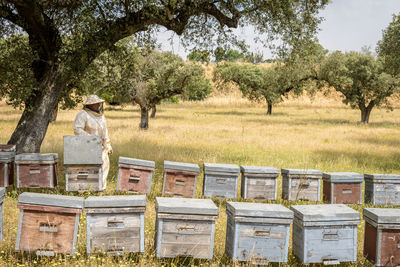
[
  {"x": 49, "y": 209},
  {"x": 186, "y": 227},
  {"x": 135, "y": 167},
  {"x": 31, "y": 239},
  {"x": 185, "y": 250},
  {"x": 184, "y": 217},
  {"x": 115, "y": 210}
]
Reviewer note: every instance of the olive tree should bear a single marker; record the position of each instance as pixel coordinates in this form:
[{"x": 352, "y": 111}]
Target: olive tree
[
  {"x": 64, "y": 37},
  {"x": 361, "y": 79},
  {"x": 389, "y": 47},
  {"x": 145, "y": 77}
]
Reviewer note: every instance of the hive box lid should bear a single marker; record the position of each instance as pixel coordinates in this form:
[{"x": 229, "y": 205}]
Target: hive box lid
[
  {"x": 2, "y": 193},
  {"x": 382, "y": 177},
  {"x": 82, "y": 150},
  {"x": 181, "y": 166},
  {"x": 36, "y": 157},
  {"x": 382, "y": 215},
  {"x": 301, "y": 171},
  {"x": 137, "y": 162},
  {"x": 51, "y": 200},
  {"x": 186, "y": 206},
  {"x": 343, "y": 177},
  {"x": 259, "y": 170},
  {"x": 7, "y": 148},
  {"x": 247, "y": 209},
  {"x": 325, "y": 213},
  {"x": 7, "y": 156},
  {"x": 115, "y": 201},
  {"x": 223, "y": 168}
]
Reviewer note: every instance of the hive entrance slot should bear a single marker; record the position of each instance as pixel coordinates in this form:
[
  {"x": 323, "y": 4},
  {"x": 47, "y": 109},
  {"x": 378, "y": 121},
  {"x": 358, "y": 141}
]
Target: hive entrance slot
[
  {"x": 82, "y": 175},
  {"x": 45, "y": 253},
  {"x": 220, "y": 180},
  {"x": 331, "y": 262},
  {"x": 48, "y": 227},
  {"x": 34, "y": 171},
  {"x": 347, "y": 191},
  {"x": 262, "y": 233},
  {"x": 115, "y": 224},
  {"x": 180, "y": 182},
  {"x": 134, "y": 179},
  {"x": 331, "y": 236}
]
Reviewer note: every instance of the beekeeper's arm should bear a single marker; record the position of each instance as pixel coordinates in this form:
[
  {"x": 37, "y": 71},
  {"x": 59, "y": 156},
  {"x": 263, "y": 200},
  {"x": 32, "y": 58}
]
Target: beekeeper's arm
[
  {"x": 79, "y": 125},
  {"x": 107, "y": 142}
]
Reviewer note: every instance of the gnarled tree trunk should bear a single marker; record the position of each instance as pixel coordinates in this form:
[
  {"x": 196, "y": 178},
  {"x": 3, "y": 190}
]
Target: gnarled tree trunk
[
  {"x": 33, "y": 124},
  {"x": 54, "y": 114},
  {"x": 366, "y": 111},
  {"x": 144, "y": 118},
  {"x": 153, "y": 112},
  {"x": 269, "y": 112}
]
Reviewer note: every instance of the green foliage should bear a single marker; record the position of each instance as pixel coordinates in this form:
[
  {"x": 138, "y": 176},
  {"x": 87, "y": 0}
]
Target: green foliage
[
  {"x": 128, "y": 74},
  {"x": 389, "y": 47},
  {"x": 361, "y": 79},
  {"x": 199, "y": 56}
]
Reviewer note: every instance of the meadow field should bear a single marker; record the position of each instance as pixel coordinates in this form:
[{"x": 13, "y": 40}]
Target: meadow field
[{"x": 320, "y": 134}]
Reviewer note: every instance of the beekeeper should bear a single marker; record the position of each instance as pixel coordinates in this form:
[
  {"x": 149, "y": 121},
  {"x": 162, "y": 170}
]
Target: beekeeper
[{"x": 91, "y": 121}]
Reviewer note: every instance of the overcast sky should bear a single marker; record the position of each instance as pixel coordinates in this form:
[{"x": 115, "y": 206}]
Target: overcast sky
[{"x": 348, "y": 26}]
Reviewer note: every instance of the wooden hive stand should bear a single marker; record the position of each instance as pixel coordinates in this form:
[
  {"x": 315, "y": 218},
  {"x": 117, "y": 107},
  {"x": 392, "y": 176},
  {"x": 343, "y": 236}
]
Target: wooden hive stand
[
  {"x": 382, "y": 189},
  {"x": 221, "y": 180},
  {"x": 259, "y": 182},
  {"x": 2, "y": 196},
  {"x": 382, "y": 236},
  {"x": 185, "y": 227},
  {"x": 135, "y": 175},
  {"x": 257, "y": 232},
  {"x": 301, "y": 184},
  {"x": 83, "y": 162},
  {"x": 36, "y": 170},
  {"x": 342, "y": 187},
  {"x": 325, "y": 233},
  {"x": 7, "y": 157},
  {"x": 115, "y": 224},
  {"x": 48, "y": 224},
  {"x": 180, "y": 179}
]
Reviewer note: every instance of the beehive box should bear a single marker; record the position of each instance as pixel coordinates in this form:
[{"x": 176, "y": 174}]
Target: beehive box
[
  {"x": 185, "y": 227},
  {"x": 257, "y": 232},
  {"x": 2, "y": 196},
  {"x": 325, "y": 233},
  {"x": 342, "y": 187},
  {"x": 48, "y": 224},
  {"x": 83, "y": 160},
  {"x": 36, "y": 170},
  {"x": 259, "y": 182},
  {"x": 220, "y": 180},
  {"x": 301, "y": 184},
  {"x": 382, "y": 236},
  {"x": 115, "y": 224},
  {"x": 135, "y": 175},
  {"x": 382, "y": 189},
  {"x": 7, "y": 157},
  {"x": 180, "y": 178}
]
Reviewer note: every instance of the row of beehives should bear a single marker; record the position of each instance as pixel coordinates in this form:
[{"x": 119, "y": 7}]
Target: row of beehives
[
  {"x": 180, "y": 179},
  {"x": 256, "y": 232}
]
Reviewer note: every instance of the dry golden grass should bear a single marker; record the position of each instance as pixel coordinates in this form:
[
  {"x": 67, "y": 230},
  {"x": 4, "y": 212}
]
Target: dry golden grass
[{"x": 322, "y": 134}]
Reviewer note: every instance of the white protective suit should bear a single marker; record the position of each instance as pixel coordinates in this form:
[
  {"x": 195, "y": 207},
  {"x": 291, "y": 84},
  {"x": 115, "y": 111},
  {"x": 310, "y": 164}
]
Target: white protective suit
[{"x": 91, "y": 123}]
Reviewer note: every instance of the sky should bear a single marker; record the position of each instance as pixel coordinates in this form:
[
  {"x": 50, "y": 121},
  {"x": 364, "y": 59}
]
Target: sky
[{"x": 348, "y": 25}]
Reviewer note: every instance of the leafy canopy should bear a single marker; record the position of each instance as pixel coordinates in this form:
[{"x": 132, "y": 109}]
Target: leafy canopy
[{"x": 389, "y": 47}]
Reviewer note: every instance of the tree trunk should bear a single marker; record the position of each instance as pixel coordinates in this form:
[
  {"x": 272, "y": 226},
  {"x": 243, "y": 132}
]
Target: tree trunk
[
  {"x": 153, "y": 112},
  {"x": 144, "y": 118},
  {"x": 32, "y": 126},
  {"x": 269, "y": 112},
  {"x": 54, "y": 114},
  {"x": 366, "y": 111}
]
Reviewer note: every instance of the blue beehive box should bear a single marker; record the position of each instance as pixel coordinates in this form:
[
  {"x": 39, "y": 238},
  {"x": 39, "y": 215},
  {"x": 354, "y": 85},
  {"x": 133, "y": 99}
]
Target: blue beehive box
[
  {"x": 220, "y": 180},
  {"x": 382, "y": 189}
]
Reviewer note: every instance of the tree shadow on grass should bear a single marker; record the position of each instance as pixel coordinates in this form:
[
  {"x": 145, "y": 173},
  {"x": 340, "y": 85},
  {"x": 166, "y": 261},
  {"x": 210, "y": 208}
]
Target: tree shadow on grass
[{"x": 379, "y": 141}]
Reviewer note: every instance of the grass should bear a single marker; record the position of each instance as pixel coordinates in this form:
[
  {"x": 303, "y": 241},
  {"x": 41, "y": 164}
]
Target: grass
[{"x": 321, "y": 134}]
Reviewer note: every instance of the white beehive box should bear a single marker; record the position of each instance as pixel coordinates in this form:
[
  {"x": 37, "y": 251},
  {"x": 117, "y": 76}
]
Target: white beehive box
[
  {"x": 185, "y": 227},
  {"x": 115, "y": 224},
  {"x": 257, "y": 232},
  {"x": 220, "y": 180},
  {"x": 259, "y": 182},
  {"x": 301, "y": 184},
  {"x": 382, "y": 189},
  {"x": 325, "y": 233}
]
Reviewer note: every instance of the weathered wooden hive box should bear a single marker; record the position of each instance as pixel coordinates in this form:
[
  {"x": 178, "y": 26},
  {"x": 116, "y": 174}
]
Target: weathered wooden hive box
[
  {"x": 36, "y": 170},
  {"x": 257, "y": 232},
  {"x": 7, "y": 157},
  {"x": 82, "y": 161},
  {"x": 382, "y": 189},
  {"x": 382, "y": 236},
  {"x": 325, "y": 233},
  {"x": 180, "y": 179},
  {"x": 259, "y": 182},
  {"x": 115, "y": 224},
  {"x": 220, "y": 180},
  {"x": 2, "y": 196},
  {"x": 135, "y": 175},
  {"x": 342, "y": 187},
  {"x": 301, "y": 184},
  {"x": 48, "y": 224},
  {"x": 185, "y": 227}
]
